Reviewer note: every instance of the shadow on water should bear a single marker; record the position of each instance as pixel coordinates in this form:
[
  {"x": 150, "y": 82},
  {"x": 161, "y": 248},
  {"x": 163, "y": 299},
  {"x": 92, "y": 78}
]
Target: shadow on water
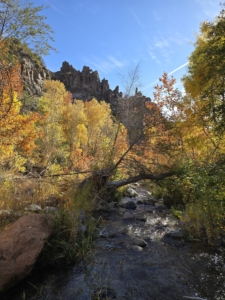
[{"x": 167, "y": 268}]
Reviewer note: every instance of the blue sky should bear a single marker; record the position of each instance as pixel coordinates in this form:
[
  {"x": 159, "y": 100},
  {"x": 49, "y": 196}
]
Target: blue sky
[{"x": 110, "y": 35}]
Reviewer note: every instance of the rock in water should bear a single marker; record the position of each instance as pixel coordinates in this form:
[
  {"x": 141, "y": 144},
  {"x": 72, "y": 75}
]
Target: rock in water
[
  {"x": 20, "y": 245},
  {"x": 137, "y": 248},
  {"x": 140, "y": 242},
  {"x": 127, "y": 203},
  {"x": 131, "y": 192},
  {"x": 128, "y": 215}
]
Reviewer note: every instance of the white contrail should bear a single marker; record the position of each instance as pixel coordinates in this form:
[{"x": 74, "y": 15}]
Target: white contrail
[
  {"x": 178, "y": 68},
  {"x": 168, "y": 74}
]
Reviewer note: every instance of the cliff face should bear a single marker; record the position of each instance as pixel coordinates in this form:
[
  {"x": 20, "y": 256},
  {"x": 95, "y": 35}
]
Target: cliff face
[
  {"x": 86, "y": 85},
  {"x": 33, "y": 73}
]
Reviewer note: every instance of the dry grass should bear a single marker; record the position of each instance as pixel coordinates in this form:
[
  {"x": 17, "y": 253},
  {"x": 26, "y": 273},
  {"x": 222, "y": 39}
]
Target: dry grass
[{"x": 18, "y": 193}]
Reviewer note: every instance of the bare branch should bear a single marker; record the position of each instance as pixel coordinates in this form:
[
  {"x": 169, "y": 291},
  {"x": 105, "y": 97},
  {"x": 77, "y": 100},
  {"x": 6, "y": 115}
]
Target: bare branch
[{"x": 131, "y": 79}]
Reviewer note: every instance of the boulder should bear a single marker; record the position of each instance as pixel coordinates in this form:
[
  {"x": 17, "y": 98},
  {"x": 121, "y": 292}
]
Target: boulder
[
  {"x": 131, "y": 192},
  {"x": 140, "y": 242},
  {"x": 137, "y": 248},
  {"x": 127, "y": 203},
  {"x": 20, "y": 245},
  {"x": 128, "y": 215}
]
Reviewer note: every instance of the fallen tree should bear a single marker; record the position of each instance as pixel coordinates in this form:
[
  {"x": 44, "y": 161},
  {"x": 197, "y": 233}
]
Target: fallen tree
[{"x": 158, "y": 177}]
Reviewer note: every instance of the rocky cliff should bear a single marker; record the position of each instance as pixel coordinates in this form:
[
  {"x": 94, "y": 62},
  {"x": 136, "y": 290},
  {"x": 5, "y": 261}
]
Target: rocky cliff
[
  {"x": 33, "y": 73},
  {"x": 86, "y": 85}
]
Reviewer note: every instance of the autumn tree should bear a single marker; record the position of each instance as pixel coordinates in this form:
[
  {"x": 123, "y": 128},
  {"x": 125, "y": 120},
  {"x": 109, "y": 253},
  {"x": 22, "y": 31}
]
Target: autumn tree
[
  {"x": 51, "y": 146},
  {"x": 22, "y": 28},
  {"x": 205, "y": 80},
  {"x": 74, "y": 123},
  {"x": 17, "y": 131},
  {"x": 94, "y": 139},
  {"x": 10, "y": 83}
]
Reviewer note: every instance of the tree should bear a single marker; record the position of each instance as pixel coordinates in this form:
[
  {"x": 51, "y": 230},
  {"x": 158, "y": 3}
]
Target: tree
[
  {"x": 52, "y": 105},
  {"x": 153, "y": 154},
  {"x": 17, "y": 134},
  {"x": 21, "y": 21},
  {"x": 10, "y": 83},
  {"x": 131, "y": 108},
  {"x": 22, "y": 28},
  {"x": 131, "y": 79},
  {"x": 17, "y": 131},
  {"x": 205, "y": 80}
]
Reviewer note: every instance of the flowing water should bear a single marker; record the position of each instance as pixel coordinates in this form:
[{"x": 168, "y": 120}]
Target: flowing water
[{"x": 167, "y": 268}]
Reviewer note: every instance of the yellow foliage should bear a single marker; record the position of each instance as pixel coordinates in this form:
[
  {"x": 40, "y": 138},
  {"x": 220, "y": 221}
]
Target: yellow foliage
[{"x": 17, "y": 133}]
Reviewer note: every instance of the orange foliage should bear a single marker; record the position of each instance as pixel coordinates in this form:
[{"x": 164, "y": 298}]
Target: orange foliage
[
  {"x": 10, "y": 80},
  {"x": 17, "y": 132}
]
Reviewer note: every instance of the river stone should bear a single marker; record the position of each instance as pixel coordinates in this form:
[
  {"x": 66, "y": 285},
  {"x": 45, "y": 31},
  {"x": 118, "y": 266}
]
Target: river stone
[
  {"x": 128, "y": 215},
  {"x": 137, "y": 248},
  {"x": 152, "y": 201},
  {"x": 149, "y": 194},
  {"x": 141, "y": 217},
  {"x": 140, "y": 201},
  {"x": 127, "y": 203},
  {"x": 5, "y": 212},
  {"x": 131, "y": 192},
  {"x": 33, "y": 208},
  {"x": 140, "y": 242},
  {"x": 20, "y": 245}
]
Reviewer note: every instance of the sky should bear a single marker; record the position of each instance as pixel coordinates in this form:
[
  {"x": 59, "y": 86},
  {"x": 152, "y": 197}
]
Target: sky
[{"x": 110, "y": 36}]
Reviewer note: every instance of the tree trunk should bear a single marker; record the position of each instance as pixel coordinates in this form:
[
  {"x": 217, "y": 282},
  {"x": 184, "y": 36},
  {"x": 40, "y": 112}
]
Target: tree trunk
[{"x": 117, "y": 184}]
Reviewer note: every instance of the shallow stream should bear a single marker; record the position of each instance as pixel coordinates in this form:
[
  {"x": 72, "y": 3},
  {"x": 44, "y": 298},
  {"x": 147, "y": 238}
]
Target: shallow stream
[{"x": 166, "y": 268}]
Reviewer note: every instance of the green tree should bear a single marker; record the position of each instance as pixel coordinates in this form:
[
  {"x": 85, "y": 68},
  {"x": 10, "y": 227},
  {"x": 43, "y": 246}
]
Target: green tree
[
  {"x": 205, "y": 80},
  {"x": 20, "y": 20}
]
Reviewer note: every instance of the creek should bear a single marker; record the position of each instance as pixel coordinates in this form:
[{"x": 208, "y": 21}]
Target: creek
[{"x": 122, "y": 266}]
